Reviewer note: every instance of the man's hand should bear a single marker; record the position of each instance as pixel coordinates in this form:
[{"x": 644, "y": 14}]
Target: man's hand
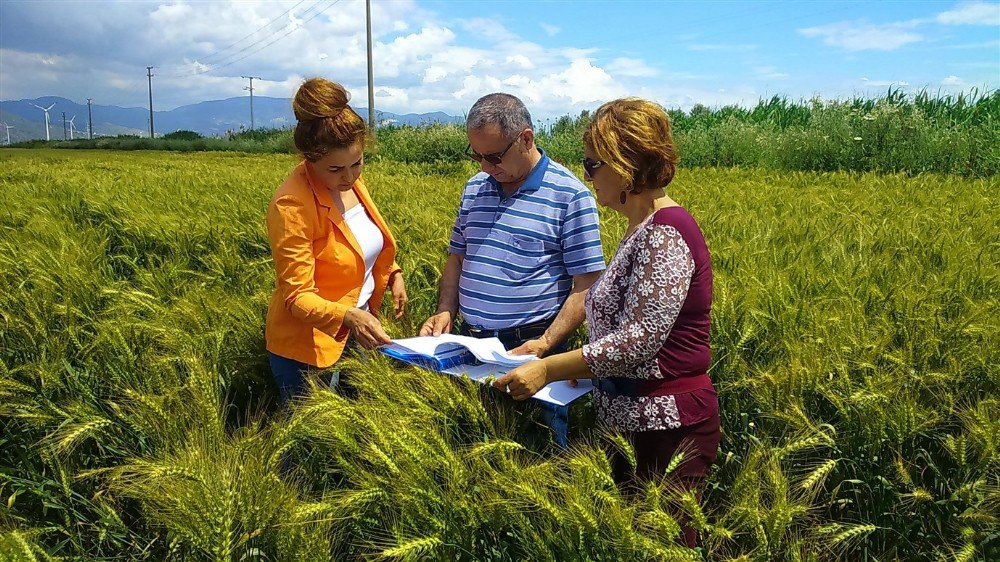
[
  {"x": 538, "y": 347},
  {"x": 365, "y": 328},
  {"x": 524, "y": 381},
  {"x": 398, "y": 291},
  {"x": 438, "y": 324}
]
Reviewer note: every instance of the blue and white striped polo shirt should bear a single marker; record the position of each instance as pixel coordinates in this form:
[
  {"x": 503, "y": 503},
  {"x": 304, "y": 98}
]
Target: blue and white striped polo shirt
[{"x": 521, "y": 252}]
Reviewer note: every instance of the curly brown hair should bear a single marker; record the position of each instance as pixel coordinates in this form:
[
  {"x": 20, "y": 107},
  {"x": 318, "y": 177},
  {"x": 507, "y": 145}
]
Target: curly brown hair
[{"x": 633, "y": 136}]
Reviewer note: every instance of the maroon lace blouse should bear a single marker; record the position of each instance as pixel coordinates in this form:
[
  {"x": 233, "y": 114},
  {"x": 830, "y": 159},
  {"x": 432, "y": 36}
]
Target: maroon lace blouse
[{"x": 648, "y": 318}]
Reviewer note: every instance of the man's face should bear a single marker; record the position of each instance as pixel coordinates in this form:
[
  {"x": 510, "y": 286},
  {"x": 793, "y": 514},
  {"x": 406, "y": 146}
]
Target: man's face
[{"x": 515, "y": 164}]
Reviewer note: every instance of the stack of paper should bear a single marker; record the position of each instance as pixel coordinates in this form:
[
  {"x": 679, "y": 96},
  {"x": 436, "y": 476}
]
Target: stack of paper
[{"x": 477, "y": 359}]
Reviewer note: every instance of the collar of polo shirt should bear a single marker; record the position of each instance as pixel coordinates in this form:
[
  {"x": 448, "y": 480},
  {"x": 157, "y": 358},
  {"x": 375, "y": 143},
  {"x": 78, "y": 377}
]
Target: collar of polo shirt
[{"x": 534, "y": 179}]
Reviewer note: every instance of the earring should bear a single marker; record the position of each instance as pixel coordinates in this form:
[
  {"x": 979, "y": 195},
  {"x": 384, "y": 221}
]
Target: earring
[{"x": 622, "y": 197}]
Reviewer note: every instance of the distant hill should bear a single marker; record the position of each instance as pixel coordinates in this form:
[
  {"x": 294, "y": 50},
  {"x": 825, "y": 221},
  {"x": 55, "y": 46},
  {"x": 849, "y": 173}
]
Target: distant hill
[{"x": 210, "y": 118}]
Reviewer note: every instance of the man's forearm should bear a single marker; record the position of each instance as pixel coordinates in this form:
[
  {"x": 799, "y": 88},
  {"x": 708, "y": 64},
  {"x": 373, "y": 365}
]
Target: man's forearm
[
  {"x": 572, "y": 313},
  {"x": 448, "y": 293},
  {"x": 569, "y": 318}
]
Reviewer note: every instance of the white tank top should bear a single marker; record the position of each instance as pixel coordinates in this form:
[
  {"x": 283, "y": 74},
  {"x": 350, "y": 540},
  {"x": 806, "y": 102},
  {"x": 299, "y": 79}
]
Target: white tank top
[{"x": 370, "y": 239}]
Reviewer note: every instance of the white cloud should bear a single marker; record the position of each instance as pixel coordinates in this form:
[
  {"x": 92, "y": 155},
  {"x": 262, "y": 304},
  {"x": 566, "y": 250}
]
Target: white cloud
[
  {"x": 685, "y": 97},
  {"x": 721, "y": 47},
  {"x": 474, "y": 87},
  {"x": 550, "y": 29},
  {"x": 636, "y": 68},
  {"x": 863, "y": 36},
  {"x": 995, "y": 64},
  {"x": 581, "y": 85},
  {"x": 769, "y": 73},
  {"x": 520, "y": 61},
  {"x": 575, "y": 53},
  {"x": 884, "y": 83},
  {"x": 396, "y": 97},
  {"x": 198, "y": 49},
  {"x": 952, "y": 81},
  {"x": 452, "y": 61},
  {"x": 971, "y": 13},
  {"x": 583, "y": 82},
  {"x": 983, "y": 45},
  {"x": 407, "y": 52}
]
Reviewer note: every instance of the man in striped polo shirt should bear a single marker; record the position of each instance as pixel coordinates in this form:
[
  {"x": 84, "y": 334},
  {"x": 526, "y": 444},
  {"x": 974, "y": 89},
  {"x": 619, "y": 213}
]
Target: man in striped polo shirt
[{"x": 525, "y": 246}]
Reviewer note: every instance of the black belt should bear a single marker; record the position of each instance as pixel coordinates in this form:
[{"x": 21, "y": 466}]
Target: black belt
[{"x": 522, "y": 332}]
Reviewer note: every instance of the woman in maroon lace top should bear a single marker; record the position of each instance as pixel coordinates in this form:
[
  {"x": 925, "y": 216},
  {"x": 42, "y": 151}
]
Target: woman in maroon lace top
[{"x": 648, "y": 315}]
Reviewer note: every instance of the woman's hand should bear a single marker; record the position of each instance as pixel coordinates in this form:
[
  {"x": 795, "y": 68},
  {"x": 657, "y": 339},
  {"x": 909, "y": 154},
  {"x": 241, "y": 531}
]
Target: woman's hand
[
  {"x": 398, "y": 290},
  {"x": 524, "y": 381},
  {"x": 365, "y": 328}
]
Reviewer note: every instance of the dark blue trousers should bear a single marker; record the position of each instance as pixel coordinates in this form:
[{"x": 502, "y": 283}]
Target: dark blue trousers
[{"x": 290, "y": 375}]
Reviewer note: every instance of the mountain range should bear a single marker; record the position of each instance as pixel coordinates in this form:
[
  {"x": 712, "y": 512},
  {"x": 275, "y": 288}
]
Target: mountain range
[{"x": 209, "y": 118}]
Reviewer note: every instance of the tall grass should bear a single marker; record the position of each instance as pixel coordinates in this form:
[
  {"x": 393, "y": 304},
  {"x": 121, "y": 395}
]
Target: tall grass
[
  {"x": 856, "y": 350},
  {"x": 896, "y": 133}
]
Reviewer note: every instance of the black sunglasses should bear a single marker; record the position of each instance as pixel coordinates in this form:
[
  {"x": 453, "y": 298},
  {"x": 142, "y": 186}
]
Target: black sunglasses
[
  {"x": 591, "y": 166},
  {"x": 495, "y": 158}
]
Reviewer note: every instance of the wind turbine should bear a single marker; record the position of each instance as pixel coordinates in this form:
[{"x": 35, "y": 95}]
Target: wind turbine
[
  {"x": 71, "y": 127},
  {"x": 8, "y": 127},
  {"x": 46, "y": 110}
]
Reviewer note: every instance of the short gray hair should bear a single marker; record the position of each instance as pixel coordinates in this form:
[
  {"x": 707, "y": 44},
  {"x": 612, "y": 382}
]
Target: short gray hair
[{"x": 503, "y": 110}]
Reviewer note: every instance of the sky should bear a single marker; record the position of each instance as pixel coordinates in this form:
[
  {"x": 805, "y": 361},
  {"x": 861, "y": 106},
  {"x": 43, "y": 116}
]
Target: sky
[{"x": 560, "y": 57}]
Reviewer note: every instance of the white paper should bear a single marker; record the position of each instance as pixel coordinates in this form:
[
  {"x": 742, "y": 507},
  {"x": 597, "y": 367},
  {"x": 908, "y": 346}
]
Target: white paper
[
  {"x": 497, "y": 361},
  {"x": 561, "y": 393},
  {"x": 430, "y": 346},
  {"x": 487, "y": 350}
]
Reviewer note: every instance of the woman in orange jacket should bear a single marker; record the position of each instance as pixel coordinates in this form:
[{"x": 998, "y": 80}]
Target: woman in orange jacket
[{"x": 334, "y": 256}]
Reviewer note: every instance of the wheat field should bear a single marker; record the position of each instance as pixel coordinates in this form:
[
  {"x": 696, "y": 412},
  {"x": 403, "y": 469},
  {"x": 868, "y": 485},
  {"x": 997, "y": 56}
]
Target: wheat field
[{"x": 856, "y": 350}]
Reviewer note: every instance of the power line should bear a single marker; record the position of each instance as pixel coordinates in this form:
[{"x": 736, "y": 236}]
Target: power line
[
  {"x": 131, "y": 89},
  {"x": 220, "y": 64},
  {"x": 247, "y": 36}
]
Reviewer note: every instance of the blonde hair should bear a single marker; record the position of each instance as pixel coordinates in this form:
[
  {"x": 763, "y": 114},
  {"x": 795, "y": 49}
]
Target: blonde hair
[
  {"x": 633, "y": 137},
  {"x": 325, "y": 121}
]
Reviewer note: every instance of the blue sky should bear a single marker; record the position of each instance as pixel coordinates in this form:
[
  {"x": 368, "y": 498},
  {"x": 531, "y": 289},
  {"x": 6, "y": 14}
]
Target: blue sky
[{"x": 560, "y": 56}]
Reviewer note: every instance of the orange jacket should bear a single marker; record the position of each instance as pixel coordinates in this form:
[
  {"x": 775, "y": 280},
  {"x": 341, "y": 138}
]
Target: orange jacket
[{"x": 319, "y": 269}]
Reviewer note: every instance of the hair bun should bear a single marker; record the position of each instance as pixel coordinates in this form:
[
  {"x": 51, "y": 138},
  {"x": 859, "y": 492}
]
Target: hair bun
[{"x": 319, "y": 98}]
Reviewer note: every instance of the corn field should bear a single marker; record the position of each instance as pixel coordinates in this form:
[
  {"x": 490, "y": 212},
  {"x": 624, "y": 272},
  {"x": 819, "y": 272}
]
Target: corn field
[{"x": 856, "y": 351}]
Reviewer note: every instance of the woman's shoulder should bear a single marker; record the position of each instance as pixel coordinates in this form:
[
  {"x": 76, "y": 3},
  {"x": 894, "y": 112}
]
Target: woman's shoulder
[
  {"x": 295, "y": 186},
  {"x": 675, "y": 216},
  {"x": 679, "y": 218},
  {"x": 680, "y": 221}
]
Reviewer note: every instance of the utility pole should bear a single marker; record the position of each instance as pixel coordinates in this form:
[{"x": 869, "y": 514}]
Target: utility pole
[
  {"x": 149, "y": 74},
  {"x": 371, "y": 74},
  {"x": 64, "y": 125},
  {"x": 90, "y": 120},
  {"x": 251, "y": 78}
]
